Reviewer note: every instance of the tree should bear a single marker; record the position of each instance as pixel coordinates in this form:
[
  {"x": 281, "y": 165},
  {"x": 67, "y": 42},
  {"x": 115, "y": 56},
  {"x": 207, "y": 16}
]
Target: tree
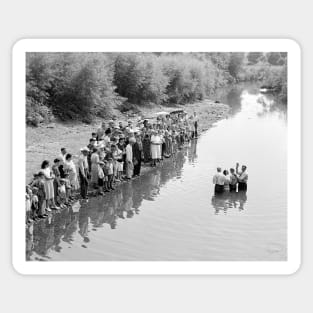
[
  {"x": 254, "y": 57},
  {"x": 235, "y": 63}
]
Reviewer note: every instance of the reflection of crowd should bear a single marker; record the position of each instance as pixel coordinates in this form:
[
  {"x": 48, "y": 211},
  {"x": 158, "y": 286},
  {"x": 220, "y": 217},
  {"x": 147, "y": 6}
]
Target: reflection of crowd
[{"x": 124, "y": 203}]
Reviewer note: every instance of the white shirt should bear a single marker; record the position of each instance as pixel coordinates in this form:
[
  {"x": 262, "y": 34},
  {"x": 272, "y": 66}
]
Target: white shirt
[
  {"x": 62, "y": 157},
  {"x": 129, "y": 153},
  {"x": 219, "y": 179},
  {"x": 82, "y": 163},
  {"x": 243, "y": 177}
]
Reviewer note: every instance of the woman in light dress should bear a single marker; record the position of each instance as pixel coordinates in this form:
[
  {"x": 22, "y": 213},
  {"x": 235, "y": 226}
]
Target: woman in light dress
[
  {"x": 94, "y": 166},
  {"x": 156, "y": 143},
  {"x": 49, "y": 188},
  {"x": 70, "y": 168}
]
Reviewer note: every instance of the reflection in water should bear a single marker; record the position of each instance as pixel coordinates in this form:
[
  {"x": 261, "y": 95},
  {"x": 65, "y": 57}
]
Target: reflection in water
[
  {"x": 229, "y": 200},
  {"x": 123, "y": 203}
]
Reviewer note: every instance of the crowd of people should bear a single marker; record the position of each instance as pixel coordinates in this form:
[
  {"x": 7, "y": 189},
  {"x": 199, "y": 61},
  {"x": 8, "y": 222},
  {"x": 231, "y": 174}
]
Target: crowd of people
[
  {"x": 115, "y": 153},
  {"x": 230, "y": 181}
]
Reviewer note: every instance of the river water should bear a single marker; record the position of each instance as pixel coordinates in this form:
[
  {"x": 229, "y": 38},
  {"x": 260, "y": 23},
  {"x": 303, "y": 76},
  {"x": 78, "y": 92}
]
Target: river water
[{"x": 171, "y": 213}]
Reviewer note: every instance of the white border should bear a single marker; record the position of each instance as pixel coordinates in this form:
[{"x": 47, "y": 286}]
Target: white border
[{"x": 148, "y": 45}]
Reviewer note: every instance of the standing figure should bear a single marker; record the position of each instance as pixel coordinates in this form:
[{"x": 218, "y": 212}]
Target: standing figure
[
  {"x": 226, "y": 181},
  {"x": 233, "y": 180},
  {"x": 137, "y": 150},
  {"x": 196, "y": 121},
  {"x": 83, "y": 172},
  {"x": 49, "y": 188},
  {"x": 219, "y": 180},
  {"x": 146, "y": 148},
  {"x": 129, "y": 158},
  {"x": 94, "y": 167},
  {"x": 242, "y": 177}
]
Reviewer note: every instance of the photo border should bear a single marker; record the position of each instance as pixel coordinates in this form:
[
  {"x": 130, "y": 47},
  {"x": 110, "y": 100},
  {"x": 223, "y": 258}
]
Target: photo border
[{"x": 156, "y": 267}]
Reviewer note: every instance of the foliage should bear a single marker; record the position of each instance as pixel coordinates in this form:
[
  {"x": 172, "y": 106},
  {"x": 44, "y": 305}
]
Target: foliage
[
  {"x": 71, "y": 86},
  {"x": 276, "y": 58},
  {"x": 235, "y": 63},
  {"x": 255, "y": 57},
  {"x": 80, "y": 86}
]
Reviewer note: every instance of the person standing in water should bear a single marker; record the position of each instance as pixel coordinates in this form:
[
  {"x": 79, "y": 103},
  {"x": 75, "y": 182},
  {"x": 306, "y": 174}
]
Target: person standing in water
[
  {"x": 218, "y": 181},
  {"x": 227, "y": 181},
  {"x": 242, "y": 177},
  {"x": 233, "y": 180}
]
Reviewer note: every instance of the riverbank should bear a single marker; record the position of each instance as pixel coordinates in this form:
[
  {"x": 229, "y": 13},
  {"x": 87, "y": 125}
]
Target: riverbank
[{"x": 44, "y": 142}]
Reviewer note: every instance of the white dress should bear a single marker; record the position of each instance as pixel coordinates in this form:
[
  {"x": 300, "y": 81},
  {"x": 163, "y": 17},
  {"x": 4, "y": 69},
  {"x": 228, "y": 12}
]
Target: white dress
[
  {"x": 49, "y": 189},
  {"x": 71, "y": 168},
  {"x": 94, "y": 167},
  {"x": 155, "y": 147}
]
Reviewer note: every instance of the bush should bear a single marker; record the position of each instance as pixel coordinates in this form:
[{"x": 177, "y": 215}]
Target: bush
[
  {"x": 235, "y": 63},
  {"x": 140, "y": 78},
  {"x": 72, "y": 86}
]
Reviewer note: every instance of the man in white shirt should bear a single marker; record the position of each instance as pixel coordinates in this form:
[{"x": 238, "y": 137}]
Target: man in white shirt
[
  {"x": 63, "y": 155},
  {"x": 218, "y": 181},
  {"x": 83, "y": 172},
  {"x": 129, "y": 158},
  {"x": 242, "y": 177}
]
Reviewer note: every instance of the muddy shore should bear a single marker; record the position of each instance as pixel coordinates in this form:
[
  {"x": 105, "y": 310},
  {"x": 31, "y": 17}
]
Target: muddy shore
[{"x": 44, "y": 142}]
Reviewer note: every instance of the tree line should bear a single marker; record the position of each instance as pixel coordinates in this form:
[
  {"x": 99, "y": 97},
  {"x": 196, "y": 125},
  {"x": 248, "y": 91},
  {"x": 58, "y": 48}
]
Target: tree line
[{"x": 80, "y": 86}]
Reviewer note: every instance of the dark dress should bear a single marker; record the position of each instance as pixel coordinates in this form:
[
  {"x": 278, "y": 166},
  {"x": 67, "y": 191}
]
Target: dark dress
[
  {"x": 136, "y": 158},
  {"x": 146, "y": 143}
]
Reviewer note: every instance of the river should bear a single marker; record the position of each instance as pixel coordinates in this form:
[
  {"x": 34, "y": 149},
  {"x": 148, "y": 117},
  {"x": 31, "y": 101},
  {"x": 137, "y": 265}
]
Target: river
[{"x": 171, "y": 213}]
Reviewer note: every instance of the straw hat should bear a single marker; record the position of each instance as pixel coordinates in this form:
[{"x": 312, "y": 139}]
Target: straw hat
[{"x": 85, "y": 149}]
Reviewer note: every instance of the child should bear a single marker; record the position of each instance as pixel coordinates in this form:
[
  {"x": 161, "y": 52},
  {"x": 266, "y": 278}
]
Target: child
[
  {"x": 34, "y": 204},
  {"x": 62, "y": 192},
  {"x": 110, "y": 173},
  {"x": 115, "y": 156},
  {"x": 39, "y": 182}
]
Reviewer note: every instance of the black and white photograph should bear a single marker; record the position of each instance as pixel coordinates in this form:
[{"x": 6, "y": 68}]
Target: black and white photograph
[{"x": 156, "y": 156}]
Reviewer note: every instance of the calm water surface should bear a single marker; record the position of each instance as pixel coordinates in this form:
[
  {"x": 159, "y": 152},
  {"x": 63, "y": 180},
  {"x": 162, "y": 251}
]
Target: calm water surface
[{"x": 172, "y": 214}]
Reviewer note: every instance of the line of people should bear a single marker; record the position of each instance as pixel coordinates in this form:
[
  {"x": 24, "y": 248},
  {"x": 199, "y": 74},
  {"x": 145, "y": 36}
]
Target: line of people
[{"x": 115, "y": 153}]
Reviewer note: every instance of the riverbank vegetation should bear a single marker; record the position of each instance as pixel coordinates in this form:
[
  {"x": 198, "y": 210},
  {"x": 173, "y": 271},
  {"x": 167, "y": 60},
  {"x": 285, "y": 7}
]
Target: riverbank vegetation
[{"x": 82, "y": 86}]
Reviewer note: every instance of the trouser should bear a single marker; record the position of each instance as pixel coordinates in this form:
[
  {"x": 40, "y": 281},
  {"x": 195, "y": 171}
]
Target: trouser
[
  {"x": 218, "y": 188},
  {"x": 233, "y": 187},
  {"x": 196, "y": 129},
  {"x": 163, "y": 147},
  {"x": 242, "y": 186},
  {"x": 137, "y": 168},
  {"x": 83, "y": 185},
  {"x": 110, "y": 181}
]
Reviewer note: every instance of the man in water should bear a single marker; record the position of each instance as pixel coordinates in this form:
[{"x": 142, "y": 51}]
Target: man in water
[
  {"x": 242, "y": 177},
  {"x": 233, "y": 180},
  {"x": 219, "y": 180}
]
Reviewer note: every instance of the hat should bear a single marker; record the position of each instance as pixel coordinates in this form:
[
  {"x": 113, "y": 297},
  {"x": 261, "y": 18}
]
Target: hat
[
  {"x": 85, "y": 149},
  {"x": 132, "y": 139},
  {"x": 101, "y": 163}
]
